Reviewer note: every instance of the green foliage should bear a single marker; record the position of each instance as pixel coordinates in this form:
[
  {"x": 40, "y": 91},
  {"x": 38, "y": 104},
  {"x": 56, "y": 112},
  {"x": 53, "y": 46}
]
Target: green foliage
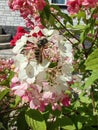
[
  {"x": 21, "y": 122},
  {"x": 91, "y": 79},
  {"x": 81, "y": 15},
  {"x": 49, "y": 18},
  {"x": 6, "y": 82},
  {"x": 83, "y": 35},
  {"x": 2, "y": 127},
  {"x": 92, "y": 61},
  {"x": 3, "y": 93},
  {"x": 15, "y": 102},
  {"x": 35, "y": 120},
  {"x": 92, "y": 64}
]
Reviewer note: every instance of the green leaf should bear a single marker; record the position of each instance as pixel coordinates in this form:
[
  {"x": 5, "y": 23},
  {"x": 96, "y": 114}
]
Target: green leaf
[
  {"x": 52, "y": 64},
  {"x": 2, "y": 127},
  {"x": 65, "y": 121},
  {"x": 16, "y": 102},
  {"x": 92, "y": 64},
  {"x": 35, "y": 120},
  {"x": 81, "y": 14},
  {"x": 84, "y": 33},
  {"x": 67, "y": 18},
  {"x": 91, "y": 79},
  {"x": 3, "y": 93},
  {"x": 92, "y": 61},
  {"x": 79, "y": 125},
  {"x": 62, "y": 122},
  {"x": 11, "y": 74},
  {"x": 84, "y": 99},
  {"x": 6, "y": 82},
  {"x": 67, "y": 124},
  {"x": 69, "y": 127},
  {"x": 77, "y": 27},
  {"x": 47, "y": 12},
  {"x": 21, "y": 122}
]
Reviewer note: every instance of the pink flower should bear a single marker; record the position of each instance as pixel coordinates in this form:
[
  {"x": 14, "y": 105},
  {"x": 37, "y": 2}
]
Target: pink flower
[
  {"x": 20, "y": 89},
  {"x": 19, "y": 34},
  {"x": 90, "y": 3},
  {"x": 15, "y": 80},
  {"x": 25, "y": 98},
  {"x": 28, "y": 9},
  {"x": 40, "y": 4},
  {"x": 56, "y": 106},
  {"x": 75, "y": 5},
  {"x": 66, "y": 101}
]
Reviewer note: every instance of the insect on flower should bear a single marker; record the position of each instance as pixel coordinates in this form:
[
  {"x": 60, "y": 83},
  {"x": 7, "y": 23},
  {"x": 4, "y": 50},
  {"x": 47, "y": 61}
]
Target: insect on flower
[{"x": 39, "y": 51}]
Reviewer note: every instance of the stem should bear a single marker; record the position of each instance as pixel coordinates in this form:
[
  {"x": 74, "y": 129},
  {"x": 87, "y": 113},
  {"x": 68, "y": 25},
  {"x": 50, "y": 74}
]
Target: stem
[
  {"x": 67, "y": 38},
  {"x": 65, "y": 27},
  {"x": 93, "y": 101}
]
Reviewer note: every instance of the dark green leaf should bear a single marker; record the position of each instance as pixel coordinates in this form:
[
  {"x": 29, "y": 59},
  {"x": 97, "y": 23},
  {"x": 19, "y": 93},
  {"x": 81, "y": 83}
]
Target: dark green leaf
[
  {"x": 52, "y": 64},
  {"x": 35, "y": 120},
  {"x": 84, "y": 33},
  {"x": 21, "y": 122},
  {"x": 2, "y": 127},
  {"x": 67, "y": 19},
  {"x": 47, "y": 12}
]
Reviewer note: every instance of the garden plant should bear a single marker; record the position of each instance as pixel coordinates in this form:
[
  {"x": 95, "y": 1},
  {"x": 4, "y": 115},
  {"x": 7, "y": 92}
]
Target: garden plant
[{"x": 51, "y": 83}]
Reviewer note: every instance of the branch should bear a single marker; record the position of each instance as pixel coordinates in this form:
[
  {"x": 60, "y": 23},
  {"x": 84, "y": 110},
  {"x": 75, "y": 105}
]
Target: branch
[{"x": 65, "y": 28}]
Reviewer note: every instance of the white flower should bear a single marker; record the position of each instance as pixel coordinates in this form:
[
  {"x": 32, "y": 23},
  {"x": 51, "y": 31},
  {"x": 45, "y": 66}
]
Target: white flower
[
  {"x": 66, "y": 51},
  {"x": 20, "y": 44},
  {"x": 32, "y": 39},
  {"x": 61, "y": 84},
  {"x": 47, "y": 32},
  {"x": 19, "y": 59},
  {"x": 35, "y": 30},
  {"x": 29, "y": 70}
]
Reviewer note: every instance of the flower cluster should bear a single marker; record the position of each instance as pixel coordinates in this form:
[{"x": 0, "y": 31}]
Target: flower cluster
[
  {"x": 43, "y": 65},
  {"x": 75, "y": 5},
  {"x": 28, "y": 10}
]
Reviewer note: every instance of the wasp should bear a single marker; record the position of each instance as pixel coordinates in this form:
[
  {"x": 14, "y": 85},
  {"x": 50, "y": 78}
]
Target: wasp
[{"x": 39, "y": 51}]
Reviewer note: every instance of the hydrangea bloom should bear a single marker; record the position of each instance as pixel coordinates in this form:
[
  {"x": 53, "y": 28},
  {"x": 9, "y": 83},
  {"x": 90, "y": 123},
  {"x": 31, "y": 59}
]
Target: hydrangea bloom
[{"x": 43, "y": 83}]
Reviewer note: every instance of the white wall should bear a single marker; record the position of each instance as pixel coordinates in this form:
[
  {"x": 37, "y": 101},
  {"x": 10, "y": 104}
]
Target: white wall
[{"x": 8, "y": 17}]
